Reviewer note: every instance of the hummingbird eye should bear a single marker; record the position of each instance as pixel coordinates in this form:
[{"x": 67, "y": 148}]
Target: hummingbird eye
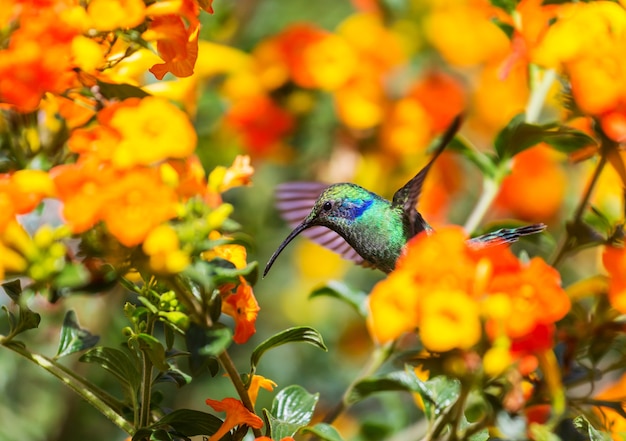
[{"x": 327, "y": 206}]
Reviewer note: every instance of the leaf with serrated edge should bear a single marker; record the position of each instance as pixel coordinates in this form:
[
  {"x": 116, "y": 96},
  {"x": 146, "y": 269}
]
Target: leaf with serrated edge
[
  {"x": 292, "y": 409},
  {"x": 297, "y": 334},
  {"x": 73, "y": 337}
]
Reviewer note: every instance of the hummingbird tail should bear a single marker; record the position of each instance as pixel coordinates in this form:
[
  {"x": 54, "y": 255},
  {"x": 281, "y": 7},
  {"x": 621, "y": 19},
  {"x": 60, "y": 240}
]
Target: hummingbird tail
[{"x": 505, "y": 235}]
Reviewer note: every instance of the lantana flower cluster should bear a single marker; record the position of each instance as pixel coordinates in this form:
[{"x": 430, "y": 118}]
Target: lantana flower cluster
[{"x": 479, "y": 294}]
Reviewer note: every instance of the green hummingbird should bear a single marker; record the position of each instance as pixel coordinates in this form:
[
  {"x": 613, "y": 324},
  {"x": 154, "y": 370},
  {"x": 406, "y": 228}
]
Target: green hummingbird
[{"x": 362, "y": 226}]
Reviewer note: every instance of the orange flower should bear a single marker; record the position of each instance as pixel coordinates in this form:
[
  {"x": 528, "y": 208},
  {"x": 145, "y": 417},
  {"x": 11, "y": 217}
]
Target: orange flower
[
  {"x": 176, "y": 44},
  {"x": 258, "y": 382},
  {"x": 136, "y": 203},
  {"x": 37, "y": 59},
  {"x": 238, "y": 174},
  {"x": 535, "y": 171},
  {"x": 465, "y": 33},
  {"x": 131, "y": 203},
  {"x": 614, "y": 260},
  {"x": 234, "y": 253},
  {"x": 535, "y": 294},
  {"x": 236, "y": 414},
  {"x": 243, "y": 308},
  {"x": 260, "y": 121},
  {"x": 442, "y": 97},
  {"x": 612, "y": 420},
  {"x": 441, "y": 283}
]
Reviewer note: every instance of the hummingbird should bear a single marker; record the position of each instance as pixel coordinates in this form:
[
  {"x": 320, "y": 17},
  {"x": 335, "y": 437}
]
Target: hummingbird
[{"x": 364, "y": 227}]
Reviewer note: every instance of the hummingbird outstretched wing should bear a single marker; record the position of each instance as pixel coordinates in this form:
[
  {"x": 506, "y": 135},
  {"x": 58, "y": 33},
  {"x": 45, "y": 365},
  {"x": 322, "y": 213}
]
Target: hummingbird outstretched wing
[
  {"x": 407, "y": 197},
  {"x": 294, "y": 201}
]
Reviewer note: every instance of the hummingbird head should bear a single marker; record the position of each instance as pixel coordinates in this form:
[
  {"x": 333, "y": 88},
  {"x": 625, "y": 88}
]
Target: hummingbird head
[{"x": 338, "y": 207}]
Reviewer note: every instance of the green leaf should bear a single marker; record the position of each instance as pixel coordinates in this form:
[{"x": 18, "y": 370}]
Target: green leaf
[
  {"x": 394, "y": 381},
  {"x": 13, "y": 289},
  {"x": 73, "y": 337},
  {"x": 298, "y": 334},
  {"x": 519, "y": 135},
  {"x": 292, "y": 409},
  {"x": 438, "y": 393},
  {"x": 324, "y": 432},
  {"x": 176, "y": 376},
  {"x": 196, "y": 339},
  {"x": 120, "y": 90},
  {"x": 483, "y": 162},
  {"x": 72, "y": 276},
  {"x": 26, "y": 319},
  {"x": 191, "y": 423},
  {"x": 507, "y": 5},
  {"x": 582, "y": 425},
  {"x": 117, "y": 362},
  {"x": 355, "y": 298},
  {"x": 154, "y": 350},
  {"x": 217, "y": 340}
]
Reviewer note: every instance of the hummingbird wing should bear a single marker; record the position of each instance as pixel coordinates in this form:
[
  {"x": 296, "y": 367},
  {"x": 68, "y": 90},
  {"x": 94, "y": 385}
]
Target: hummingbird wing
[
  {"x": 505, "y": 235},
  {"x": 294, "y": 201},
  {"x": 407, "y": 197}
]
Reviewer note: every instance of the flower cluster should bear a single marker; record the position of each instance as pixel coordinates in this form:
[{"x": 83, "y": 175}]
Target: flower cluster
[{"x": 477, "y": 288}]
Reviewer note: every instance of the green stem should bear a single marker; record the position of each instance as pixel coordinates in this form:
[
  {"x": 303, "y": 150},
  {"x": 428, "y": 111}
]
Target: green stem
[
  {"x": 540, "y": 90},
  {"x": 99, "y": 399},
  {"x": 235, "y": 378},
  {"x": 566, "y": 243},
  {"x": 376, "y": 360},
  {"x": 146, "y": 382},
  {"x": 489, "y": 193}
]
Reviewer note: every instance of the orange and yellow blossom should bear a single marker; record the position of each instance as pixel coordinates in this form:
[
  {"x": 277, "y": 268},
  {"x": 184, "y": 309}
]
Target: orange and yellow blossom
[
  {"x": 236, "y": 415},
  {"x": 131, "y": 203},
  {"x": 21, "y": 192},
  {"x": 163, "y": 248},
  {"x": 587, "y": 43},
  {"x": 436, "y": 268},
  {"x": 612, "y": 420},
  {"x": 614, "y": 259},
  {"x": 38, "y": 58},
  {"x": 258, "y": 382},
  {"x": 535, "y": 171},
  {"x": 137, "y": 132},
  {"x": 243, "y": 308}
]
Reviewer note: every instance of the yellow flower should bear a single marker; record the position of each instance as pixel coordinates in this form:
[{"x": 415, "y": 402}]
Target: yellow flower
[
  {"x": 258, "y": 382},
  {"x": 465, "y": 35},
  {"x": 151, "y": 130},
  {"x": 449, "y": 320},
  {"x": 235, "y": 254},
  {"x": 163, "y": 248},
  {"x": 393, "y": 307},
  {"x": 107, "y": 15}
]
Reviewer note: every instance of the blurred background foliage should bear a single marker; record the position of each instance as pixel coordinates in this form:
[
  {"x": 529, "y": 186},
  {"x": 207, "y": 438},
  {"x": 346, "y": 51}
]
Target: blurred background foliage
[{"x": 384, "y": 78}]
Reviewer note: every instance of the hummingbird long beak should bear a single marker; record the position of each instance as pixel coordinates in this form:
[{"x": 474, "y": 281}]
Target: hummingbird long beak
[{"x": 299, "y": 229}]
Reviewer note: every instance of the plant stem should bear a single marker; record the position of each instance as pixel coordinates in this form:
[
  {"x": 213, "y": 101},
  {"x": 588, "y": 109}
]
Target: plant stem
[
  {"x": 97, "y": 398},
  {"x": 539, "y": 93},
  {"x": 566, "y": 243},
  {"x": 489, "y": 193},
  {"x": 231, "y": 370},
  {"x": 376, "y": 360},
  {"x": 146, "y": 382}
]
